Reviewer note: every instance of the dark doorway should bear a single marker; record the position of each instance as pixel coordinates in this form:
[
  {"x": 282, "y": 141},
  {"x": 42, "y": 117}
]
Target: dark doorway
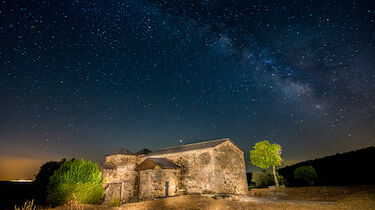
[{"x": 166, "y": 188}]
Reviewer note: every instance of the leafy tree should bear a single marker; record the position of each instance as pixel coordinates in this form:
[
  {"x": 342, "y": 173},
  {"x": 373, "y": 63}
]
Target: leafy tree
[
  {"x": 42, "y": 179},
  {"x": 306, "y": 174},
  {"x": 265, "y": 155},
  {"x": 76, "y": 181}
]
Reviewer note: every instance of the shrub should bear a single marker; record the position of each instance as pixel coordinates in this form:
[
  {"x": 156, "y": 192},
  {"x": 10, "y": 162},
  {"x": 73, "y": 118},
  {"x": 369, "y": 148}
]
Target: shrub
[
  {"x": 265, "y": 179},
  {"x": 305, "y": 174},
  {"x": 42, "y": 179},
  {"x": 77, "y": 181}
]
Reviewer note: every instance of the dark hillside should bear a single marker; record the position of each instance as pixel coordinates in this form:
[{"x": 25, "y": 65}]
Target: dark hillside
[{"x": 350, "y": 168}]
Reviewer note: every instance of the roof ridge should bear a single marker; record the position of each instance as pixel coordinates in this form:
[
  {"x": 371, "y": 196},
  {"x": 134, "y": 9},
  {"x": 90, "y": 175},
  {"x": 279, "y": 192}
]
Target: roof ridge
[
  {"x": 121, "y": 151},
  {"x": 204, "y": 141},
  {"x": 188, "y": 147}
]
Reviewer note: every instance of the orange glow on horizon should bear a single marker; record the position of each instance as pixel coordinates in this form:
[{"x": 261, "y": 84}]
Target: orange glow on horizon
[{"x": 14, "y": 168}]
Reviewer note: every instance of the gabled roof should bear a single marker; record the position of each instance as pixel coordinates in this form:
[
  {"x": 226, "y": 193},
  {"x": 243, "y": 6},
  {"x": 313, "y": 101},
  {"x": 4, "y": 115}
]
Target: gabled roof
[
  {"x": 122, "y": 151},
  {"x": 151, "y": 163},
  {"x": 143, "y": 151},
  {"x": 189, "y": 147},
  {"x": 107, "y": 165}
]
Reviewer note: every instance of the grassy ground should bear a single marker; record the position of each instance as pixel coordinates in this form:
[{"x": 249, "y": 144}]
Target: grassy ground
[{"x": 308, "y": 198}]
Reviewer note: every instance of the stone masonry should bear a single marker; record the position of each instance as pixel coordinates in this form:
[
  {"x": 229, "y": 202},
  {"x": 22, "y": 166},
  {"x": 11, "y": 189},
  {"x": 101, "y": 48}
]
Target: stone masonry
[{"x": 209, "y": 167}]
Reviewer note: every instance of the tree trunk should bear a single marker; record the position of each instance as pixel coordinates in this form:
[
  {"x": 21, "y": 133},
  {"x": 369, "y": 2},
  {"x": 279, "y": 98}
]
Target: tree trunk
[{"x": 274, "y": 175}]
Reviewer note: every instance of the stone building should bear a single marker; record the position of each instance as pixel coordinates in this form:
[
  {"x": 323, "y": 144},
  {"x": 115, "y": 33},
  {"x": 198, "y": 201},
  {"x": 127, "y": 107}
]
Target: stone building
[{"x": 209, "y": 167}]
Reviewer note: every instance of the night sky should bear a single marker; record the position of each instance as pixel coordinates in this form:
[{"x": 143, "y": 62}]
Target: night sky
[{"x": 83, "y": 78}]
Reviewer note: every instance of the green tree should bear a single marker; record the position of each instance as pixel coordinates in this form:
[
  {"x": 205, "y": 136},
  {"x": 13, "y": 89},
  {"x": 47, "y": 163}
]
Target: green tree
[
  {"x": 265, "y": 155},
  {"x": 42, "y": 179},
  {"x": 306, "y": 174},
  {"x": 77, "y": 181}
]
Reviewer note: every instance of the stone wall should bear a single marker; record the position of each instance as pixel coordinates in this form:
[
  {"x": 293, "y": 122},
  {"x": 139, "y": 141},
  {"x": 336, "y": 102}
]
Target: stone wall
[
  {"x": 152, "y": 183},
  {"x": 229, "y": 169},
  {"x": 122, "y": 181},
  {"x": 112, "y": 192},
  {"x": 196, "y": 170},
  {"x": 220, "y": 169}
]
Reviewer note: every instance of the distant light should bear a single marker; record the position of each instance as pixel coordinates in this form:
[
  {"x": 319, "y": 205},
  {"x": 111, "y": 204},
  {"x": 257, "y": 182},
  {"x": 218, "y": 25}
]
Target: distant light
[
  {"x": 22, "y": 180},
  {"x": 181, "y": 141}
]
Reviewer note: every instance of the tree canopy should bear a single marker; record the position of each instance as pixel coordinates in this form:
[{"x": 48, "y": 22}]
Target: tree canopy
[
  {"x": 265, "y": 155},
  {"x": 306, "y": 174}
]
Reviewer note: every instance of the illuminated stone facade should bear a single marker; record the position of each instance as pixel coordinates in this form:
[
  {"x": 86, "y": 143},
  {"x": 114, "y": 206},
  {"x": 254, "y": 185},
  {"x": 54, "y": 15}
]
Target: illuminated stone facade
[{"x": 209, "y": 167}]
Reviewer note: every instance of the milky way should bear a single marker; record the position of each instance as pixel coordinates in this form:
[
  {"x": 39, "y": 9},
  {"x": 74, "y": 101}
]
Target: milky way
[{"x": 81, "y": 78}]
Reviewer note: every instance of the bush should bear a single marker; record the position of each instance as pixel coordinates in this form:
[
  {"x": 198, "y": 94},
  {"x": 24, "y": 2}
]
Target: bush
[
  {"x": 306, "y": 174},
  {"x": 42, "y": 179},
  {"x": 265, "y": 179},
  {"x": 76, "y": 181}
]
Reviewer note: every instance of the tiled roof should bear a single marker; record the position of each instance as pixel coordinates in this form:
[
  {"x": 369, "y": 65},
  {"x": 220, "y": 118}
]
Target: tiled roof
[
  {"x": 143, "y": 151},
  {"x": 189, "y": 147}
]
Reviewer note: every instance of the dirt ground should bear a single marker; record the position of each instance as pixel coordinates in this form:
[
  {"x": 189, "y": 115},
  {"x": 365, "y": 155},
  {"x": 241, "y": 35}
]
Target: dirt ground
[
  {"x": 343, "y": 197},
  {"x": 354, "y": 197},
  {"x": 301, "y": 198}
]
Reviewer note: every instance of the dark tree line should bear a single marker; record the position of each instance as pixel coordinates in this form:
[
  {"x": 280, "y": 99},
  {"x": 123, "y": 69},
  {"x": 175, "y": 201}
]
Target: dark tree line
[{"x": 350, "y": 168}]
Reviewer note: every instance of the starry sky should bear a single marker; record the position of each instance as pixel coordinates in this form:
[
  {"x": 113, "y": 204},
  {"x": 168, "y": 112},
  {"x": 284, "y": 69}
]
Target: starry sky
[{"x": 82, "y": 78}]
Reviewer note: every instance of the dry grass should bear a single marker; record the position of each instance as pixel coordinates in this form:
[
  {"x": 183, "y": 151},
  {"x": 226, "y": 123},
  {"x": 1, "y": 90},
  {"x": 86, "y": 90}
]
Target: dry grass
[
  {"x": 199, "y": 202},
  {"x": 324, "y": 193},
  {"x": 345, "y": 197},
  {"x": 355, "y": 197},
  {"x": 28, "y": 205}
]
